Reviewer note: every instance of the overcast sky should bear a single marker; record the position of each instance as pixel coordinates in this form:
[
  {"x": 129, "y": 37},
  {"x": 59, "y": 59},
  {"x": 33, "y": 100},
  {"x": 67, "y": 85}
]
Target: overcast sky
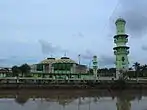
[{"x": 32, "y": 30}]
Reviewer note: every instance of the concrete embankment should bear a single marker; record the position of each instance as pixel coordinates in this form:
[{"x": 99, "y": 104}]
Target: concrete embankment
[{"x": 88, "y": 85}]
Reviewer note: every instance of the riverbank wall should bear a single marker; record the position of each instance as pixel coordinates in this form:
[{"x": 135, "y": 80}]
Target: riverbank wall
[{"x": 89, "y": 85}]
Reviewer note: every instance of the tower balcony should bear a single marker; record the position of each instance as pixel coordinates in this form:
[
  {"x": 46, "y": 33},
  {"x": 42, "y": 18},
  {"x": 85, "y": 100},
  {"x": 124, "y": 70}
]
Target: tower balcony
[
  {"x": 121, "y": 52},
  {"x": 120, "y": 40},
  {"x": 121, "y": 48},
  {"x": 120, "y": 36},
  {"x": 95, "y": 67},
  {"x": 95, "y": 63}
]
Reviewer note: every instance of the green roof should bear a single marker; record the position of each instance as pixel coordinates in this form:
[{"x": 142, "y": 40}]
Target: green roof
[
  {"x": 48, "y": 61},
  {"x": 65, "y": 60},
  {"x": 120, "y": 20}
]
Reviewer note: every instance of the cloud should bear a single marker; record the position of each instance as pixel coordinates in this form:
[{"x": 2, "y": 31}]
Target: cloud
[
  {"x": 16, "y": 60},
  {"x": 87, "y": 55},
  {"x": 144, "y": 47},
  {"x": 106, "y": 60},
  {"x": 7, "y": 61},
  {"x": 2, "y": 60},
  {"x": 79, "y": 34},
  {"x": 48, "y": 48},
  {"x": 135, "y": 15},
  {"x": 103, "y": 60}
]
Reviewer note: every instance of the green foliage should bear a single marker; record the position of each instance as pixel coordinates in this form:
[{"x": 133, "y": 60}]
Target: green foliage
[
  {"x": 136, "y": 66},
  {"x": 15, "y": 70},
  {"x": 25, "y": 68},
  {"x": 106, "y": 71},
  {"x": 140, "y": 71}
]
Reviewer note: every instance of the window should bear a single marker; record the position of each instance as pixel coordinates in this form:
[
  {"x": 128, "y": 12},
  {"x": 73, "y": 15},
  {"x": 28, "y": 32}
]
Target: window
[
  {"x": 39, "y": 67},
  {"x": 123, "y": 59}
]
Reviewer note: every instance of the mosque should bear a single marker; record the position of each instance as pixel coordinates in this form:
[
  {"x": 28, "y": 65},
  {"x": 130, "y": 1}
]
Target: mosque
[
  {"x": 61, "y": 68},
  {"x": 66, "y": 66},
  {"x": 62, "y": 65}
]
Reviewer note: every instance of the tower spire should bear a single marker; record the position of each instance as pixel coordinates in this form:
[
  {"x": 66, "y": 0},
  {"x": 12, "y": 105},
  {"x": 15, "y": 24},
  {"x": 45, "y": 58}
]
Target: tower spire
[
  {"x": 95, "y": 66},
  {"x": 65, "y": 54},
  {"x": 121, "y": 50},
  {"x": 79, "y": 58}
]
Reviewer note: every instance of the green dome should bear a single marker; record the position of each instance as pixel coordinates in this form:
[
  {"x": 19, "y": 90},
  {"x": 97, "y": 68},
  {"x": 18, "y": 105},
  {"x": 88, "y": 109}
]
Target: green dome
[
  {"x": 120, "y": 20},
  {"x": 48, "y": 61},
  {"x": 65, "y": 60}
]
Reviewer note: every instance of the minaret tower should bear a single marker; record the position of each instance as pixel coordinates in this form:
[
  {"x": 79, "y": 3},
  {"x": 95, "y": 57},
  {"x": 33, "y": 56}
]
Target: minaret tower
[
  {"x": 95, "y": 66},
  {"x": 121, "y": 51}
]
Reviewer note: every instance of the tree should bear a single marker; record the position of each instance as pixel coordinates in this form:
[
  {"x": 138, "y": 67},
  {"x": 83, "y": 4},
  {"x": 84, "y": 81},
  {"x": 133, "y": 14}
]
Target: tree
[
  {"x": 137, "y": 68},
  {"x": 143, "y": 70},
  {"x": 105, "y": 71},
  {"x": 112, "y": 71},
  {"x": 15, "y": 70},
  {"x": 25, "y": 69}
]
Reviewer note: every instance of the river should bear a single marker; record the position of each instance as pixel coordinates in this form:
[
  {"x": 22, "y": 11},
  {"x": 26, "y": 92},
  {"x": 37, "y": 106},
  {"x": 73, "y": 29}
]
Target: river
[{"x": 73, "y": 100}]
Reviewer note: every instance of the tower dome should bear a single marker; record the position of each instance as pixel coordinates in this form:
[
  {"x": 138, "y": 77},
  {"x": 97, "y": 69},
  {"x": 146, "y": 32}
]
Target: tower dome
[
  {"x": 120, "y": 26},
  {"x": 120, "y": 20}
]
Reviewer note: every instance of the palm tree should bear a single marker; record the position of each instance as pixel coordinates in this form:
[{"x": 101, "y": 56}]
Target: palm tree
[
  {"x": 137, "y": 69},
  {"x": 136, "y": 66}
]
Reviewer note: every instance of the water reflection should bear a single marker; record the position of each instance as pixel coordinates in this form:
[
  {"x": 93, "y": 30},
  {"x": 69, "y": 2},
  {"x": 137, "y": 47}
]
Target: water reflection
[
  {"x": 123, "y": 102},
  {"x": 21, "y": 99},
  {"x": 73, "y": 100}
]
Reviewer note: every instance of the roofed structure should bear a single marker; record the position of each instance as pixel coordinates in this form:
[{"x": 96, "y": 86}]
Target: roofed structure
[
  {"x": 65, "y": 60},
  {"x": 48, "y": 61}
]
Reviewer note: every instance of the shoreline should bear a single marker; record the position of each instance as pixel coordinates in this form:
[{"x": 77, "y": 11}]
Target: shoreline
[
  {"x": 71, "y": 92},
  {"x": 88, "y": 85}
]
